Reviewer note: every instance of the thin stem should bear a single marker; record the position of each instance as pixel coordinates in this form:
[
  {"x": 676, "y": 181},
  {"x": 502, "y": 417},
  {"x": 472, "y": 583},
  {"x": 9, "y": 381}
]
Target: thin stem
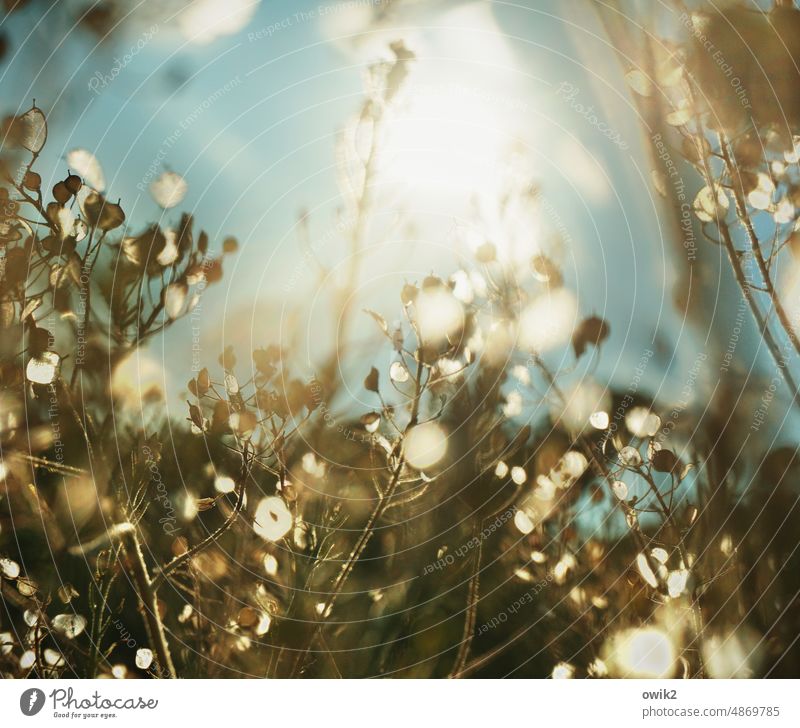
[
  {"x": 473, "y": 597},
  {"x": 148, "y": 601},
  {"x": 355, "y": 554},
  {"x": 755, "y": 246},
  {"x": 697, "y": 615},
  {"x": 50, "y": 465},
  {"x": 761, "y": 322},
  {"x": 368, "y": 531}
]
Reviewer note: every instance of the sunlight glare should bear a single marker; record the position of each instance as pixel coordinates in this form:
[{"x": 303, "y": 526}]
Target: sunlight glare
[
  {"x": 272, "y": 519},
  {"x": 548, "y": 320},
  {"x": 643, "y": 653},
  {"x": 425, "y": 445},
  {"x": 439, "y": 315}
]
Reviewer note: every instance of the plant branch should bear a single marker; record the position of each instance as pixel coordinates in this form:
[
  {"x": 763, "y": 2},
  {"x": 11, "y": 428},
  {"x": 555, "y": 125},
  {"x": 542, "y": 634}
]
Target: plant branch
[
  {"x": 473, "y": 597},
  {"x": 148, "y": 600},
  {"x": 755, "y": 246},
  {"x": 212, "y": 538}
]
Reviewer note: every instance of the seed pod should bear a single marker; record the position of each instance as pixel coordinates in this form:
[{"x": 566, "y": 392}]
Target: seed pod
[
  {"x": 61, "y": 193},
  {"x": 665, "y": 461},
  {"x": 247, "y": 617},
  {"x": 73, "y": 183},
  {"x": 32, "y": 180},
  {"x": 205, "y": 504},
  {"x": 371, "y": 380},
  {"x": 486, "y": 253},
  {"x": 371, "y": 421},
  {"x": 101, "y": 213},
  {"x": 409, "y": 294}
]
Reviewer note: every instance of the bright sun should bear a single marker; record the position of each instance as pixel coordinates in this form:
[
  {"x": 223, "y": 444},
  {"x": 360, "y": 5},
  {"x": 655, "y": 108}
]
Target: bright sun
[{"x": 451, "y": 140}]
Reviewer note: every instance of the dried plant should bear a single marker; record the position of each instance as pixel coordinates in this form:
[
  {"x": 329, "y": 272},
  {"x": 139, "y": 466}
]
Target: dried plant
[{"x": 496, "y": 511}]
